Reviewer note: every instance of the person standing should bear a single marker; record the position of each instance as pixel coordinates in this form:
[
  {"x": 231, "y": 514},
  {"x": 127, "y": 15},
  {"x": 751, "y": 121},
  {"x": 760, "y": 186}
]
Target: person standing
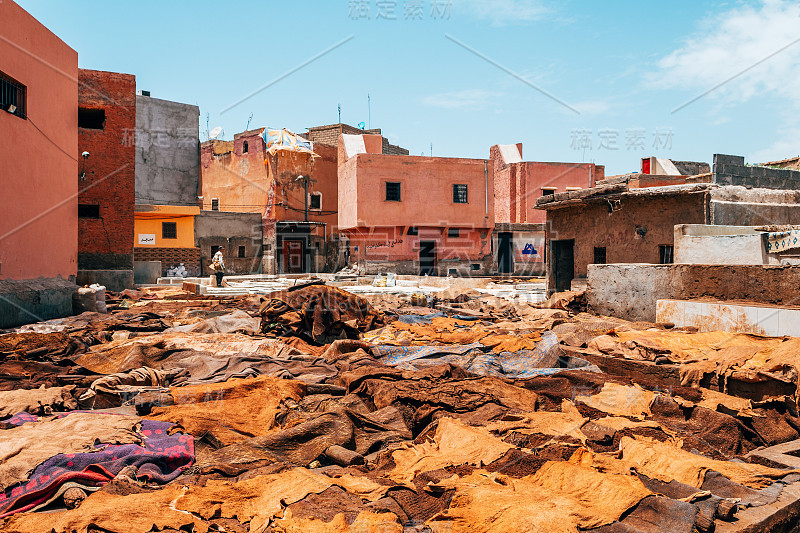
[{"x": 218, "y": 264}]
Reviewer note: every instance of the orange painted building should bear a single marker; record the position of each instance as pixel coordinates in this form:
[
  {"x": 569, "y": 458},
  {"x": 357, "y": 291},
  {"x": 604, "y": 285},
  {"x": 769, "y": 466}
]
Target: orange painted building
[
  {"x": 413, "y": 214},
  {"x": 38, "y": 168},
  {"x": 240, "y": 176},
  {"x": 519, "y": 234}
]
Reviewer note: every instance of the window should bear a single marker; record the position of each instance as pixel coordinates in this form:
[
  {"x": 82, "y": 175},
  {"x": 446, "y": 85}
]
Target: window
[
  {"x": 460, "y": 193},
  {"x": 474, "y": 266},
  {"x": 453, "y": 232},
  {"x": 548, "y": 191},
  {"x": 665, "y": 254},
  {"x": 392, "y": 191},
  {"x": 13, "y": 96},
  {"x": 169, "y": 230},
  {"x": 244, "y": 147},
  {"x": 599, "y": 255},
  {"x": 242, "y": 251},
  {"x": 93, "y": 119},
  {"x": 215, "y": 249},
  {"x": 215, "y": 204},
  {"x": 88, "y": 211},
  {"x": 315, "y": 200},
  {"x": 413, "y": 230}
]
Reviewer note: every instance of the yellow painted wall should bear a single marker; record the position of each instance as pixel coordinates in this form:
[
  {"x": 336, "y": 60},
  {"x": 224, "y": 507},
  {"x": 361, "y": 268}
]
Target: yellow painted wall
[{"x": 149, "y": 223}]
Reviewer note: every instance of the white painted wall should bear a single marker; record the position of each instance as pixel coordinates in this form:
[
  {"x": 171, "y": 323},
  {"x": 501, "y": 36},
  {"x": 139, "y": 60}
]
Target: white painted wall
[{"x": 720, "y": 245}]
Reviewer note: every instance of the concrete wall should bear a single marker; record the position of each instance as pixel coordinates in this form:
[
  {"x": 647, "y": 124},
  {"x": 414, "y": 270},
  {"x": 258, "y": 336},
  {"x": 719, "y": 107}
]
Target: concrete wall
[
  {"x": 38, "y": 154},
  {"x": 230, "y": 231},
  {"x": 630, "y": 291},
  {"x": 720, "y": 245},
  {"x": 34, "y": 300},
  {"x": 113, "y": 280},
  {"x": 741, "y": 206},
  {"x": 731, "y": 170},
  {"x": 167, "y": 152},
  {"x": 106, "y": 243}
]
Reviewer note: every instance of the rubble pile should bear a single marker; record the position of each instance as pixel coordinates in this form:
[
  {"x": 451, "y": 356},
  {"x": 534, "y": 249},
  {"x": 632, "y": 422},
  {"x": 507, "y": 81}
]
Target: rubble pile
[{"x": 313, "y": 409}]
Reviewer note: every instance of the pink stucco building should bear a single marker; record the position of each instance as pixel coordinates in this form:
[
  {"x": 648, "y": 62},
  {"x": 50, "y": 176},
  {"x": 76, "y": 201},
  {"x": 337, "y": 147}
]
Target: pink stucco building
[
  {"x": 414, "y": 214},
  {"x": 519, "y": 228}
]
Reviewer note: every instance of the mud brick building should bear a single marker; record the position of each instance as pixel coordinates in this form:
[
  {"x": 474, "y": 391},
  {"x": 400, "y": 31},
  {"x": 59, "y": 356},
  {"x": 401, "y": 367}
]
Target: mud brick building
[
  {"x": 106, "y": 122},
  {"x": 632, "y": 219}
]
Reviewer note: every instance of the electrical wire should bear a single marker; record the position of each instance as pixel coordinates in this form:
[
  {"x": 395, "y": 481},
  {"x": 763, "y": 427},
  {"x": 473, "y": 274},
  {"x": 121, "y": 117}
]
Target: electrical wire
[{"x": 51, "y": 140}]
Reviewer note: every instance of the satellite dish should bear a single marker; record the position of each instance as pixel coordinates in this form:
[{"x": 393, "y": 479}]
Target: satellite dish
[
  {"x": 215, "y": 132},
  {"x": 361, "y": 125}
]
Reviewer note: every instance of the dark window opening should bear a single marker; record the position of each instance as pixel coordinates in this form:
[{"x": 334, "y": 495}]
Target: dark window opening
[
  {"x": 215, "y": 204},
  {"x": 548, "y": 192},
  {"x": 453, "y": 232},
  {"x": 413, "y": 230},
  {"x": 88, "y": 211},
  {"x": 93, "y": 119},
  {"x": 13, "y": 96},
  {"x": 169, "y": 230},
  {"x": 599, "y": 255},
  {"x": 392, "y": 191},
  {"x": 315, "y": 201},
  {"x": 474, "y": 266},
  {"x": 215, "y": 249},
  {"x": 244, "y": 147},
  {"x": 665, "y": 254},
  {"x": 460, "y": 195},
  {"x": 242, "y": 252}
]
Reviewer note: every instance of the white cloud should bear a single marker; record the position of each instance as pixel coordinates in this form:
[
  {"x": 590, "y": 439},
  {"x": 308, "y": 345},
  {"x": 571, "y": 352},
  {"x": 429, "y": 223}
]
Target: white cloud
[
  {"x": 466, "y": 99},
  {"x": 502, "y": 12},
  {"x": 787, "y": 145},
  {"x": 738, "y": 44}
]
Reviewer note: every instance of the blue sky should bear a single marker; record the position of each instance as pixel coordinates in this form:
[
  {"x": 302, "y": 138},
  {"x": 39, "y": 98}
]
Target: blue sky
[{"x": 624, "y": 66}]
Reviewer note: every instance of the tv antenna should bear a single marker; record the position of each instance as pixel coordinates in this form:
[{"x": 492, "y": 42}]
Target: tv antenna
[
  {"x": 208, "y": 136},
  {"x": 340, "y": 113},
  {"x": 248, "y": 122}
]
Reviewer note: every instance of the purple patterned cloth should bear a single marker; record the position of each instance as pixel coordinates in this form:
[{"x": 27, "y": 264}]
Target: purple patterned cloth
[{"x": 162, "y": 458}]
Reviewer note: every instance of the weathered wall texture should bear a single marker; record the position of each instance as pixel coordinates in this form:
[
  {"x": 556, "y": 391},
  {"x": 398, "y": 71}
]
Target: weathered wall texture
[
  {"x": 230, "y": 231},
  {"x": 630, "y": 291},
  {"x": 33, "y": 300},
  {"x": 38, "y": 154},
  {"x": 167, "y": 152},
  {"x": 731, "y": 170},
  {"x": 106, "y": 243},
  {"x": 391, "y": 249},
  {"x": 721, "y": 245},
  {"x": 740, "y": 206},
  {"x": 631, "y": 231}
]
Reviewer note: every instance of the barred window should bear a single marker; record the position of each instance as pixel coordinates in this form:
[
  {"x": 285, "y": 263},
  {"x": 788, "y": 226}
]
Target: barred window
[
  {"x": 169, "y": 230},
  {"x": 460, "y": 193},
  {"x": 392, "y": 191},
  {"x": 13, "y": 96}
]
